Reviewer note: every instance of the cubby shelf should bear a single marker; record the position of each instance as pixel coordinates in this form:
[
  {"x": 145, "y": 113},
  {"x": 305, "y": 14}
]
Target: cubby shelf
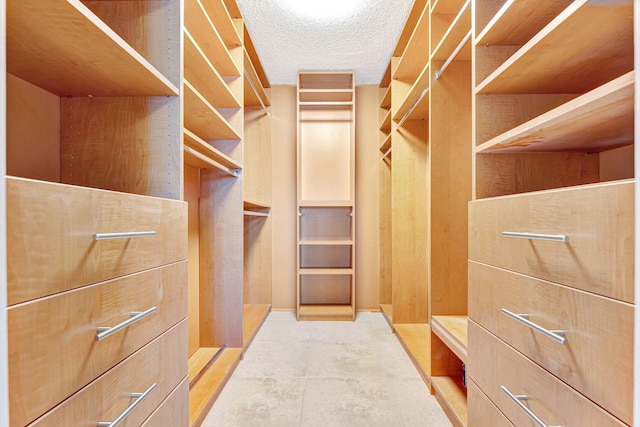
[
  {"x": 456, "y": 32},
  {"x": 58, "y": 35},
  {"x": 516, "y": 22},
  {"x": 204, "y": 77},
  {"x": 452, "y": 330},
  {"x": 202, "y": 119},
  {"x": 325, "y": 95},
  {"x": 385, "y": 125},
  {"x": 414, "y": 58},
  {"x": 254, "y": 93},
  {"x": 386, "y": 99},
  {"x": 562, "y": 58},
  {"x": 416, "y": 104},
  {"x": 325, "y": 204},
  {"x": 386, "y": 144},
  {"x": 598, "y": 120},
  {"x": 326, "y": 271},
  {"x": 223, "y": 22},
  {"x": 201, "y": 28}
]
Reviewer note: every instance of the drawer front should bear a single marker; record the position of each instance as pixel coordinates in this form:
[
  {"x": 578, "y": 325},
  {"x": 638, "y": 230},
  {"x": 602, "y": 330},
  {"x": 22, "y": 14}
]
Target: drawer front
[
  {"x": 50, "y": 236},
  {"x": 493, "y": 364},
  {"x": 174, "y": 411},
  {"x": 598, "y": 220},
  {"x": 481, "y": 411},
  {"x": 53, "y": 343},
  {"x": 592, "y": 326},
  {"x": 163, "y": 362}
]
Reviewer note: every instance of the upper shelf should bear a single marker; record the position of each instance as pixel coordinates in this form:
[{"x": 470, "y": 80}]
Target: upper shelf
[
  {"x": 201, "y": 151},
  {"x": 596, "y": 121},
  {"x": 585, "y": 46},
  {"x": 455, "y": 33},
  {"x": 325, "y": 81},
  {"x": 202, "y": 119},
  {"x": 452, "y": 330},
  {"x": 415, "y": 14},
  {"x": 386, "y": 99},
  {"x": 416, "y": 55},
  {"x": 255, "y": 60},
  {"x": 415, "y": 105},
  {"x": 254, "y": 93},
  {"x": 517, "y": 21},
  {"x": 200, "y": 26},
  {"x": 64, "y": 48},
  {"x": 223, "y": 22},
  {"x": 324, "y": 95}
]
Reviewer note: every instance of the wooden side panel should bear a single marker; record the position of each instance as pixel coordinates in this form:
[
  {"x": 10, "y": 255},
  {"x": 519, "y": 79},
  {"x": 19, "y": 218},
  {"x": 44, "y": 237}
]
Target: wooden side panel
[
  {"x": 221, "y": 254},
  {"x": 257, "y": 260},
  {"x": 409, "y": 220},
  {"x": 325, "y": 289},
  {"x": 385, "y": 231},
  {"x": 257, "y": 156},
  {"x": 33, "y": 131},
  {"x": 191, "y": 196},
  {"x": 131, "y": 145},
  {"x": 68, "y": 355}
]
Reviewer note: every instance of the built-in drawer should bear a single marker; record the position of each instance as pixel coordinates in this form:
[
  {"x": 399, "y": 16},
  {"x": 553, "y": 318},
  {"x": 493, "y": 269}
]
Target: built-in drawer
[
  {"x": 481, "y": 412},
  {"x": 594, "y": 351},
  {"x": 174, "y": 411},
  {"x": 54, "y": 345},
  {"x": 143, "y": 381},
  {"x": 499, "y": 370},
  {"x": 597, "y": 221},
  {"x": 52, "y": 228}
]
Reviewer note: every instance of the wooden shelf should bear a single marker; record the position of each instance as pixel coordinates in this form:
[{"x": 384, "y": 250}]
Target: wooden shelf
[
  {"x": 200, "y": 360},
  {"x": 516, "y": 22},
  {"x": 387, "y": 313},
  {"x": 386, "y": 99},
  {"x": 200, "y": 73},
  {"x": 326, "y": 242},
  {"x": 204, "y": 33},
  {"x": 254, "y": 316},
  {"x": 202, "y": 119},
  {"x": 452, "y": 330},
  {"x": 325, "y": 312},
  {"x": 452, "y": 396},
  {"x": 458, "y": 30},
  {"x": 208, "y": 387},
  {"x": 47, "y": 42},
  {"x": 212, "y": 156},
  {"x": 416, "y": 340},
  {"x": 223, "y": 22},
  {"x": 326, "y": 271},
  {"x": 255, "y": 60},
  {"x": 325, "y": 95},
  {"x": 327, "y": 81},
  {"x": 416, "y": 104},
  {"x": 414, "y": 58},
  {"x": 250, "y": 206},
  {"x": 254, "y": 93},
  {"x": 386, "y": 144},
  {"x": 596, "y": 121},
  {"x": 564, "y": 58},
  {"x": 385, "y": 126},
  {"x": 325, "y": 204},
  {"x": 407, "y": 31}
]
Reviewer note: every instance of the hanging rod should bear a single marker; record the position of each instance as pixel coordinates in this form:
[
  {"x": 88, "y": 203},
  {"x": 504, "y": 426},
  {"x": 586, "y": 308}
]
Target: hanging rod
[
  {"x": 253, "y": 213},
  {"x": 203, "y": 158},
  {"x": 256, "y": 92},
  {"x": 453, "y": 55},
  {"x": 386, "y": 153},
  {"x": 413, "y": 106}
]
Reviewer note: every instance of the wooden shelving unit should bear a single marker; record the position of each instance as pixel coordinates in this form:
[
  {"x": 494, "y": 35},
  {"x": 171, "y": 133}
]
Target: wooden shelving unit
[
  {"x": 326, "y": 196},
  {"x": 254, "y": 317},
  {"x": 414, "y": 337}
]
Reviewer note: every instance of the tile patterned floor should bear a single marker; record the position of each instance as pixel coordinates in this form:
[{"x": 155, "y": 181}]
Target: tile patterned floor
[{"x": 329, "y": 374}]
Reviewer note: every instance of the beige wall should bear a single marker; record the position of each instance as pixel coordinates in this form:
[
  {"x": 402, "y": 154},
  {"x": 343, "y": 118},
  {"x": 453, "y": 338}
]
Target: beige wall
[{"x": 283, "y": 209}]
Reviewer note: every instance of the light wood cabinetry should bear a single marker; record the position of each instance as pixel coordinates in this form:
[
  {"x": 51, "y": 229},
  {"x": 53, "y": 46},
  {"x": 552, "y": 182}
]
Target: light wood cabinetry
[
  {"x": 551, "y": 244},
  {"x": 326, "y": 196},
  {"x": 94, "y": 206}
]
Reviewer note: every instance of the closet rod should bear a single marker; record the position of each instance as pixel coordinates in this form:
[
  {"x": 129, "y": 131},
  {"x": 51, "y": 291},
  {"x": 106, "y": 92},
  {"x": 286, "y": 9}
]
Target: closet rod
[
  {"x": 413, "y": 106},
  {"x": 453, "y": 55},
  {"x": 252, "y": 213},
  {"x": 232, "y": 172},
  {"x": 386, "y": 153},
  {"x": 256, "y": 92}
]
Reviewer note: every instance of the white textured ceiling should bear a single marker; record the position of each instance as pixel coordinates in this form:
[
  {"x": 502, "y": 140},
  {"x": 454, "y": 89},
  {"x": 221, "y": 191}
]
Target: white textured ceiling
[{"x": 288, "y": 42}]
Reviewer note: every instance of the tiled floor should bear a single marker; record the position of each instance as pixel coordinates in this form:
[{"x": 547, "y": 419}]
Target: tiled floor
[{"x": 329, "y": 374}]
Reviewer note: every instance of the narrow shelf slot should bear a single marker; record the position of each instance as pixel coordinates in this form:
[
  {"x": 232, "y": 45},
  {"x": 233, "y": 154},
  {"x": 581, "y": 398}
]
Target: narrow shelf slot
[
  {"x": 249, "y": 205},
  {"x": 452, "y": 330},
  {"x": 202, "y": 119},
  {"x": 200, "y": 26},
  {"x": 459, "y": 28},
  {"x": 564, "y": 58},
  {"x": 200, "y": 146},
  {"x": 223, "y": 22},
  {"x": 204, "y": 77},
  {"x": 255, "y": 60},
  {"x": 329, "y": 81},
  {"x": 200, "y": 161},
  {"x": 452, "y": 396},
  {"x": 386, "y": 99},
  {"x": 385, "y": 126},
  {"x": 386, "y": 144},
  {"x": 415, "y": 56},
  {"x": 47, "y": 40},
  {"x": 325, "y": 95},
  {"x": 254, "y": 93},
  {"x": 596, "y": 121}
]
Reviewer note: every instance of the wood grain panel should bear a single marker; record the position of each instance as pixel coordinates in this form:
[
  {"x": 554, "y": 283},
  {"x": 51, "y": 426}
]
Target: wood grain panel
[
  {"x": 68, "y": 355},
  {"x": 191, "y": 196},
  {"x": 481, "y": 411},
  {"x": 592, "y": 325},
  {"x": 257, "y": 260},
  {"x": 598, "y": 220},
  {"x": 385, "y": 289},
  {"x": 257, "y": 176},
  {"x": 161, "y": 362},
  {"x": 50, "y": 236},
  {"x": 325, "y": 289},
  {"x": 123, "y": 144},
  {"x": 494, "y": 364},
  {"x": 174, "y": 411}
]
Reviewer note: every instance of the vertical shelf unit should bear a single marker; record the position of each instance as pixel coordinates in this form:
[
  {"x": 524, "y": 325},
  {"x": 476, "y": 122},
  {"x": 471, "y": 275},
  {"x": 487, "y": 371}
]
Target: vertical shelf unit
[
  {"x": 430, "y": 127},
  {"x": 552, "y": 223},
  {"x": 95, "y": 223},
  {"x": 326, "y": 196}
]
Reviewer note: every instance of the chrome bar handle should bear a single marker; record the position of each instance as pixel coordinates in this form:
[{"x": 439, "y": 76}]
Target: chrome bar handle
[
  {"x": 555, "y": 335},
  {"x": 518, "y": 401},
  {"x": 129, "y": 235},
  {"x": 104, "y": 332},
  {"x": 535, "y": 236},
  {"x": 139, "y": 398}
]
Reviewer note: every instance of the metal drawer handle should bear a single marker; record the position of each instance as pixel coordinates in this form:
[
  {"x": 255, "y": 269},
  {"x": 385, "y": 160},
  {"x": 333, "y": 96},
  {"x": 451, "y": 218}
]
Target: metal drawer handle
[
  {"x": 555, "y": 335},
  {"x": 129, "y": 235},
  {"x": 518, "y": 401},
  {"x": 535, "y": 236},
  {"x": 139, "y": 397},
  {"x": 104, "y": 332}
]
